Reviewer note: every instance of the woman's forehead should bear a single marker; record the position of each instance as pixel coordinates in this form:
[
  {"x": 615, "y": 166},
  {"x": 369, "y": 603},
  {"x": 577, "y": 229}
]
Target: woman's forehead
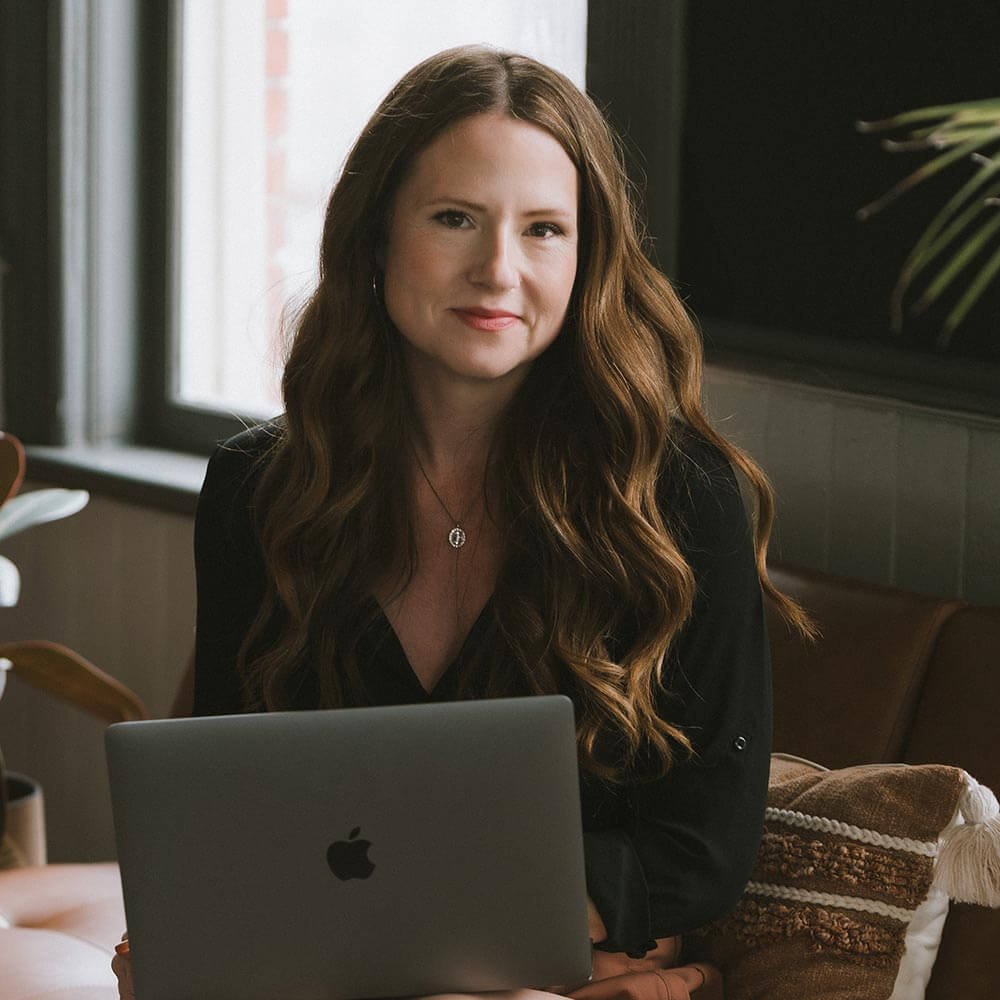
[{"x": 495, "y": 155}]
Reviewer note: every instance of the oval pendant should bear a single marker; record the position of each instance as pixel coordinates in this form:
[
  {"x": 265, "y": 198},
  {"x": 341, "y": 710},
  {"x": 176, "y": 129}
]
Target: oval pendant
[{"x": 456, "y": 539}]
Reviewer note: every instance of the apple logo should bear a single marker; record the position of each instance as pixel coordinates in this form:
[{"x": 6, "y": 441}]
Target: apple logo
[{"x": 349, "y": 858}]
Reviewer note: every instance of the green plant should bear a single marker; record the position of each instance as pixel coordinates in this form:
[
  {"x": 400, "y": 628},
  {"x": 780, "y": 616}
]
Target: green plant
[{"x": 963, "y": 231}]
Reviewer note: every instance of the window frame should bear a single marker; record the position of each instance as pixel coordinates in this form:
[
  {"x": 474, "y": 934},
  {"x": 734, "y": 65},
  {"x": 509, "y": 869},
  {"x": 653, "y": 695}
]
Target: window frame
[{"x": 167, "y": 423}]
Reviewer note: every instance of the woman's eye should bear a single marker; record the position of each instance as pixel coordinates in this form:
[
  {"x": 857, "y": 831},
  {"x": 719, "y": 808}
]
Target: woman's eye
[
  {"x": 452, "y": 219},
  {"x": 544, "y": 229}
]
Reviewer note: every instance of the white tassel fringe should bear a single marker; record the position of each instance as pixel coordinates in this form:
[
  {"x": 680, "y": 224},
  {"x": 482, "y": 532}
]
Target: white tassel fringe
[{"x": 968, "y": 862}]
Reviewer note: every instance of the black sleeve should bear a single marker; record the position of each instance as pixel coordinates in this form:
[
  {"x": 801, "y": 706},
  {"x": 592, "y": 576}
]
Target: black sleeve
[
  {"x": 694, "y": 834},
  {"x": 229, "y": 570}
]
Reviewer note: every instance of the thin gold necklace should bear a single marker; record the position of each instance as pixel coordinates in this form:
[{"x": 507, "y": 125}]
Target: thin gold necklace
[{"x": 456, "y": 537}]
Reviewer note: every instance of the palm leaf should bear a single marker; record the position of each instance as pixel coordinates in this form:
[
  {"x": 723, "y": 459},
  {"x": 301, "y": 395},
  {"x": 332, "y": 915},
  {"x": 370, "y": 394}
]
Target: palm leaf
[
  {"x": 929, "y": 244},
  {"x": 986, "y": 105},
  {"x": 929, "y": 169},
  {"x": 969, "y": 249},
  {"x": 975, "y": 290},
  {"x": 956, "y": 131},
  {"x": 916, "y": 263}
]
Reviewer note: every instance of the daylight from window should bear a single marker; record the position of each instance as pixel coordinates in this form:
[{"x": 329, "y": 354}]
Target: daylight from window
[{"x": 271, "y": 94}]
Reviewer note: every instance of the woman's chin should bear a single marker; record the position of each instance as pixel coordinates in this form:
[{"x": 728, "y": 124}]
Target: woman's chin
[{"x": 472, "y": 371}]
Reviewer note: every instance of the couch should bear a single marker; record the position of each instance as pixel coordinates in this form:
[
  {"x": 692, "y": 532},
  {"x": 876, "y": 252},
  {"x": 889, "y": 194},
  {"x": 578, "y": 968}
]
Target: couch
[
  {"x": 898, "y": 677},
  {"x": 894, "y": 677}
]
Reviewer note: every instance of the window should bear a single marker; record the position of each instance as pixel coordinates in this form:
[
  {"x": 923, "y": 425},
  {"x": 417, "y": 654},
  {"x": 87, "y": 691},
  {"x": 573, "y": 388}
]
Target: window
[
  {"x": 271, "y": 95},
  {"x": 103, "y": 313}
]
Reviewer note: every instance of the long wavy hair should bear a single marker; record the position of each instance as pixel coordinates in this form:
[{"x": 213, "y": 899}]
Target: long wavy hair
[{"x": 589, "y": 557}]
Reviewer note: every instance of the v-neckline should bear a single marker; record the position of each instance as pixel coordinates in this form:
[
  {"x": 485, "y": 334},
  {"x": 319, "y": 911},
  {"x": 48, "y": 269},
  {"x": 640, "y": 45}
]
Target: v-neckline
[{"x": 391, "y": 633}]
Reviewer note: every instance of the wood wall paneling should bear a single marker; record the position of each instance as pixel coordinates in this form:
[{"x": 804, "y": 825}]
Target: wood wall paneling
[
  {"x": 739, "y": 410},
  {"x": 885, "y": 491},
  {"x": 931, "y": 504},
  {"x": 799, "y": 460},
  {"x": 982, "y": 533},
  {"x": 863, "y": 492}
]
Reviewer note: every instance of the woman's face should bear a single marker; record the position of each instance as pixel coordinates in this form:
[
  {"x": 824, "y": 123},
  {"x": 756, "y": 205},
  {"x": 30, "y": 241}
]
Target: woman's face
[{"x": 482, "y": 250}]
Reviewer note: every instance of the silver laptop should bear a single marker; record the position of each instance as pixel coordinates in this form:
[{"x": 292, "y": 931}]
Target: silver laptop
[{"x": 357, "y": 853}]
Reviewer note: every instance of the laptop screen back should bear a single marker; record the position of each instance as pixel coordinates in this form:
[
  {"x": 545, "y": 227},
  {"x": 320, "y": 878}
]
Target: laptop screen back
[{"x": 352, "y": 853}]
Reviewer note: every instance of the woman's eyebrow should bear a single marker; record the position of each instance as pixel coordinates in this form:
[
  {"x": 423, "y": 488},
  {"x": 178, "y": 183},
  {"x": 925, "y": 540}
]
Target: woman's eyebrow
[
  {"x": 473, "y": 206},
  {"x": 457, "y": 203},
  {"x": 551, "y": 212}
]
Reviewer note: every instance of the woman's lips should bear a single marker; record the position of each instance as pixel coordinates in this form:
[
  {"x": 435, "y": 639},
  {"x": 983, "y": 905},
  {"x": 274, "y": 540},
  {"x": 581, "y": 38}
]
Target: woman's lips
[{"x": 486, "y": 319}]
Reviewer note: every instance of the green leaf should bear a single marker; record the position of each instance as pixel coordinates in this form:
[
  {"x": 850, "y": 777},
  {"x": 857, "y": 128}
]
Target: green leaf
[
  {"x": 929, "y": 169},
  {"x": 964, "y": 256},
  {"x": 915, "y": 263},
  {"x": 979, "y": 285},
  {"x": 919, "y": 259},
  {"x": 986, "y": 105},
  {"x": 929, "y": 237}
]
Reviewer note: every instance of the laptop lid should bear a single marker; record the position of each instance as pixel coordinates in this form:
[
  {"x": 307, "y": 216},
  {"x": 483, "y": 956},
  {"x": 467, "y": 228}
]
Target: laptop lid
[{"x": 352, "y": 853}]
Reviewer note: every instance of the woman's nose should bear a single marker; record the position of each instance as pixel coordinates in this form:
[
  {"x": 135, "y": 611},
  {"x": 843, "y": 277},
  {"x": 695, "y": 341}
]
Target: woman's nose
[{"x": 496, "y": 264}]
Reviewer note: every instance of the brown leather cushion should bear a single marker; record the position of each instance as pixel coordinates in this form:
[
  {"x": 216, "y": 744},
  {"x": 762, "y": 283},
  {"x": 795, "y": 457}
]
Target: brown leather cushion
[
  {"x": 848, "y": 698},
  {"x": 956, "y": 718}
]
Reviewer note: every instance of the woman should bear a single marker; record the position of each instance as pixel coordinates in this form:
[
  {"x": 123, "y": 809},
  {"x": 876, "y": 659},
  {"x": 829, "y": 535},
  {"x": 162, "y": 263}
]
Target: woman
[{"x": 493, "y": 477}]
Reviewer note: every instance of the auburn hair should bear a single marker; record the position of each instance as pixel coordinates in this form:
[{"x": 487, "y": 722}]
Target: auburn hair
[{"x": 580, "y": 449}]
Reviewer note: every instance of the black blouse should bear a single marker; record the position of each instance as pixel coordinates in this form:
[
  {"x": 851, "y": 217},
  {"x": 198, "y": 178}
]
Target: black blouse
[{"x": 662, "y": 857}]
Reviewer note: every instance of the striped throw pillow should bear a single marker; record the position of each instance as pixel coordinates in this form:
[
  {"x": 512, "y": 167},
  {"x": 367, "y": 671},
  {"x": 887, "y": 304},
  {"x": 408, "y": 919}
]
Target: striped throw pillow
[{"x": 850, "y": 891}]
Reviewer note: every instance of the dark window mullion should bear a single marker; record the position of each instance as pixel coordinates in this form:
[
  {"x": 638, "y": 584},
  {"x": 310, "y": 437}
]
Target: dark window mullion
[
  {"x": 635, "y": 73},
  {"x": 32, "y": 359}
]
